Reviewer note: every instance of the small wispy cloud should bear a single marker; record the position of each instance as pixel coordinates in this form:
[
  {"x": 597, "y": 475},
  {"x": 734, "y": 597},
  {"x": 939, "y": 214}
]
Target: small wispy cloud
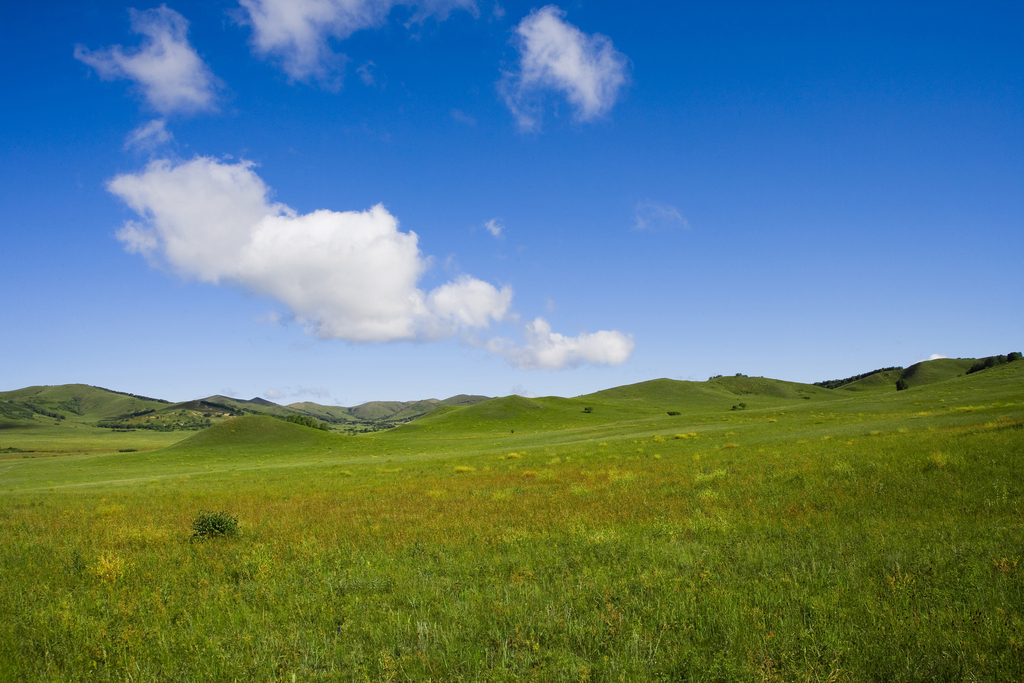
[
  {"x": 555, "y": 56},
  {"x": 296, "y": 35},
  {"x": 463, "y": 117},
  {"x": 149, "y": 136},
  {"x": 273, "y": 318},
  {"x": 495, "y": 227},
  {"x": 279, "y": 394},
  {"x": 366, "y": 74},
  {"x": 649, "y": 215},
  {"x": 172, "y": 76}
]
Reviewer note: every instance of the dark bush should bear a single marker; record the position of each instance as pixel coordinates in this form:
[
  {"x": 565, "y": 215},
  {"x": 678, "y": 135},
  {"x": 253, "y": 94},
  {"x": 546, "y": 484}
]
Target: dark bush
[
  {"x": 673, "y": 412},
  {"x": 588, "y": 409},
  {"x": 986, "y": 363},
  {"x": 214, "y": 524},
  {"x": 901, "y": 384},
  {"x": 1012, "y": 356},
  {"x": 307, "y": 421},
  {"x": 836, "y": 383}
]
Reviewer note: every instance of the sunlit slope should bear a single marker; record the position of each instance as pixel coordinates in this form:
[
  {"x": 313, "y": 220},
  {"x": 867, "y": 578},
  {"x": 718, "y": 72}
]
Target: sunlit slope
[
  {"x": 78, "y": 402},
  {"x": 938, "y": 370},
  {"x": 670, "y": 393},
  {"x": 543, "y": 427},
  {"x": 919, "y": 374},
  {"x": 656, "y": 399},
  {"x": 885, "y": 380},
  {"x": 62, "y": 419}
]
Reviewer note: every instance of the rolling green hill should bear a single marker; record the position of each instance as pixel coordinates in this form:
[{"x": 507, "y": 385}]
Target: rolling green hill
[
  {"x": 57, "y": 418},
  {"x": 254, "y": 435},
  {"x": 939, "y": 370},
  {"x": 919, "y": 374},
  {"x": 886, "y": 379},
  {"x": 78, "y": 401}
]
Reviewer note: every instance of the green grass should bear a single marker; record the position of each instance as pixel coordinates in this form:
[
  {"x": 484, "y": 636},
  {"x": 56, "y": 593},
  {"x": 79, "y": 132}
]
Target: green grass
[{"x": 868, "y": 535}]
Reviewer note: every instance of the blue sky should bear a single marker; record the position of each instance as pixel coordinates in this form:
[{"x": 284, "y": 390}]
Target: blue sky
[{"x": 352, "y": 200}]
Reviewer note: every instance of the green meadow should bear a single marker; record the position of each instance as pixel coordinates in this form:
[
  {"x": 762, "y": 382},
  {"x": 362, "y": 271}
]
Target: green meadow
[{"x": 740, "y": 529}]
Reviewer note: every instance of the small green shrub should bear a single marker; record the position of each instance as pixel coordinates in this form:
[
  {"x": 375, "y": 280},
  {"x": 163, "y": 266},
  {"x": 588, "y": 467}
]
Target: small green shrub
[
  {"x": 588, "y": 409},
  {"x": 209, "y": 524},
  {"x": 901, "y": 384},
  {"x": 673, "y": 413}
]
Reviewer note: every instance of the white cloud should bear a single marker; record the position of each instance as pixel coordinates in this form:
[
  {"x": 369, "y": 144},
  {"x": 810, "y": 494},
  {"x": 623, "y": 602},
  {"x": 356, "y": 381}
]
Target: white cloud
[
  {"x": 166, "y": 67},
  {"x": 495, "y": 227},
  {"x": 345, "y": 275},
  {"x": 295, "y": 33},
  {"x": 555, "y": 55},
  {"x": 549, "y": 350},
  {"x": 649, "y": 215},
  {"x": 149, "y": 135},
  {"x": 349, "y": 275}
]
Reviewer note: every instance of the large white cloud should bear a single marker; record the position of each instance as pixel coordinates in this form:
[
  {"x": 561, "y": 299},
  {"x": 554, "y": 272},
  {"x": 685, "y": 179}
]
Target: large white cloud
[
  {"x": 549, "y": 350},
  {"x": 296, "y": 33},
  {"x": 347, "y": 275},
  {"x": 166, "y": 67},
  {"x": 555, "y": 55}
]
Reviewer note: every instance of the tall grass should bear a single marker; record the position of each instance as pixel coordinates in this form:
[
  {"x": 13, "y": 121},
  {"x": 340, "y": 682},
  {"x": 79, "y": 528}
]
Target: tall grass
[{"x": 750, "y": 550}]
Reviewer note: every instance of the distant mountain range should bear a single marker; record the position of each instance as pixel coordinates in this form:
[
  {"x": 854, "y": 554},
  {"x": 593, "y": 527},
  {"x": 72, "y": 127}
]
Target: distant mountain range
[
  {"x": 97, "y": 407},
  {"x": 119, "y": 410}
]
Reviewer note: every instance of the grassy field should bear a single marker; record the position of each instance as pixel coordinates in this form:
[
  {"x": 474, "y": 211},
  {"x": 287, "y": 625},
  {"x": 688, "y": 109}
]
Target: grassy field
[{"x": 769, "y": 531}]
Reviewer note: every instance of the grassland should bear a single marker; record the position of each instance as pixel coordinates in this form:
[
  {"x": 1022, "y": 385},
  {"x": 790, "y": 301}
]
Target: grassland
[{"x": 815, "y": 534}]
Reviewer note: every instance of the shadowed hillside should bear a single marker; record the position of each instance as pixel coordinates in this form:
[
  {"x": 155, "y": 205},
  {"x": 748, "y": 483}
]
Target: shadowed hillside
[{"x": 254, "y": 434}]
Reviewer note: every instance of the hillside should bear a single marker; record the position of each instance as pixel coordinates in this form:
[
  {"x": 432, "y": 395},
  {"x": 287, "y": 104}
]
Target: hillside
[
  {"x": 679, "y": 394},
  {"x": 387, "y": 411},
  {"x": 42, "y": 408},
  {"x": 80, "y": 402},
  {"x": 939, "y": 370},
  {"x": 919, "y": 374},
  {"x": 884, "y": 379},
  {"x": 254, "y": 435}
]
